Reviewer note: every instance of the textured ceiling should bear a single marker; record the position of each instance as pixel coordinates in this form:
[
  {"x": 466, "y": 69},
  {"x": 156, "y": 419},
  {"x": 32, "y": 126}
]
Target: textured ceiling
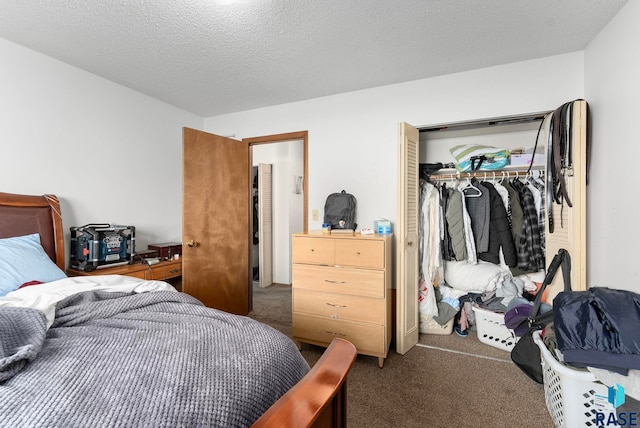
[{"x": 213, "y": 57}]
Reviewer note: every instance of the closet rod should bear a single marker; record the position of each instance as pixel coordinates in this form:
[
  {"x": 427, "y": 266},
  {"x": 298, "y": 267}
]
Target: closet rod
[{"x": 485, "y": 175}]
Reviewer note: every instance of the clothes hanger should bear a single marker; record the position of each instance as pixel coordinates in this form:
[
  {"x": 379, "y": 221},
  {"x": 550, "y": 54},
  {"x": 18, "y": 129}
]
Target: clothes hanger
[
  {"x": 470, "y": 185},
  {"x": 517, "y": 177}
]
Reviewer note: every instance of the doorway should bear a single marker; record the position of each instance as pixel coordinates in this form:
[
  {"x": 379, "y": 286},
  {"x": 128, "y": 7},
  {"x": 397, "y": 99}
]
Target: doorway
[{"x": 287, "y": 155}]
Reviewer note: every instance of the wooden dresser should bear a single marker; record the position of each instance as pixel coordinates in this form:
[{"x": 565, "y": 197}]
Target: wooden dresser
[{"x": 342, "y": 288}]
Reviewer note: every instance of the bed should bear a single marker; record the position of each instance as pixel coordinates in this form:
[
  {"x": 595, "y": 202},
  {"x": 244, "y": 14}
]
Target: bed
[{"x": 115, "y": 351}]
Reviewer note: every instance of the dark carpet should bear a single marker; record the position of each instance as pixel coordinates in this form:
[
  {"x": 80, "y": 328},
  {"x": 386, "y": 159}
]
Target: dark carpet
[{"x": 445, "y": 381}]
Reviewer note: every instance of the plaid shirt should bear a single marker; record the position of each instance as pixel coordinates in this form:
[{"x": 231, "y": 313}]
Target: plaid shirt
[
  {"x": 538, "y": 184},
  {"x": 530, "y": 253}
]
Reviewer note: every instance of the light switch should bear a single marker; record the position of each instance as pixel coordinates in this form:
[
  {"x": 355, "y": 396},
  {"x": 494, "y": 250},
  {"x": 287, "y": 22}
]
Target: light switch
[{"x": 314, "y": 215}]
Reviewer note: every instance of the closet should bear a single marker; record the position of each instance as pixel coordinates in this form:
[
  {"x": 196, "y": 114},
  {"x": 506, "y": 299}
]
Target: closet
[{"x": 432, "y": 144}]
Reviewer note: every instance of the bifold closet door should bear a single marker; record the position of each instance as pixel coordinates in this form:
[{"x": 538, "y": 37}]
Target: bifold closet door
[
  {"x": 407, "y": 324},
  {"x": 265, "y": 230},
  {"x": 570, "y": 223}
]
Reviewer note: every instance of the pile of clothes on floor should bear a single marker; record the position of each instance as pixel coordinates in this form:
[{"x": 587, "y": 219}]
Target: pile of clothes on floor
[{"x": 487, "y": 285}]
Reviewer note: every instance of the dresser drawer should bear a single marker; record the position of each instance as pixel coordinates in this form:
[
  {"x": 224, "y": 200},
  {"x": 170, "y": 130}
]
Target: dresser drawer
[
  {"x": 360, "y": 253},
  {"x": 162, "y": 272},
  {"x": 339, "y": 306},
  {"x": 142, "y": 274},
  {"x": 330, "y": 279},
  {"x": 367, "y": 338},
  {"x": 313, "y": 250}
]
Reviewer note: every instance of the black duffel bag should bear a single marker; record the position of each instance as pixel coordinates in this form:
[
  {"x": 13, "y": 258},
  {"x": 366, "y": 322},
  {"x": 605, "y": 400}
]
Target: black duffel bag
[{"x": 526, "y": 354}]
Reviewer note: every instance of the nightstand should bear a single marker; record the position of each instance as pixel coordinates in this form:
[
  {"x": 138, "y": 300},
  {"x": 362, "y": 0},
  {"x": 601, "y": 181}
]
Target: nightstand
[{"x": 169, "y": 270}]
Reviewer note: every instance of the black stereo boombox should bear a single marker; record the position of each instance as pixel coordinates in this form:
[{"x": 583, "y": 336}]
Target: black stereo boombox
[{"x": 96, "y": 246}]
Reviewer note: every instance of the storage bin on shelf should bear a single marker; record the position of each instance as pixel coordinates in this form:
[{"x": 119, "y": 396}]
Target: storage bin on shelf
[
  {"x": 430, "y": 326},
  {"x": 492, "y": 331},
  {"x": 573, "y": 397}
]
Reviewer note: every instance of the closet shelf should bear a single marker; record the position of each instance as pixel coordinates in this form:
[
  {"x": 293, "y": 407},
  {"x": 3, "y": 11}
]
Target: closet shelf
[{"x": 507, "y": 172}]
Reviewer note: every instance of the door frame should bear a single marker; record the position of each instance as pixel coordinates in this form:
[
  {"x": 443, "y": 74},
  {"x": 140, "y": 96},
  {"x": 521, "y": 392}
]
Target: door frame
[{"x": 279, "y": 138}]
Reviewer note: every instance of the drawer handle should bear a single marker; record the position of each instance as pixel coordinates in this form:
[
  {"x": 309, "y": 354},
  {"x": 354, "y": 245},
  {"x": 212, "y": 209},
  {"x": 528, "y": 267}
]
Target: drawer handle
[
  {"x": 175, "y": 270},
  {"x": 335, "y": 334},
  {"x": 335, "y": 305},
  {"x": 334, "y": 282}
]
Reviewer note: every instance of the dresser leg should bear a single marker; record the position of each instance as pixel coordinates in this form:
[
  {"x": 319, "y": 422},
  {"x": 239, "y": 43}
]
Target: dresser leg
[{"x": 380, "y": 362}]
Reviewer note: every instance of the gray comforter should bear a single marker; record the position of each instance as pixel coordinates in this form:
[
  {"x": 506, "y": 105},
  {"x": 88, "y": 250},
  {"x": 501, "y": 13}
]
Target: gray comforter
[{"x": 158, "y": 359}]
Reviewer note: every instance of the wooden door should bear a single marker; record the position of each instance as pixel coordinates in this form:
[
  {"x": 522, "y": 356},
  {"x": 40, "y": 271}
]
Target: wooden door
[
  {"x": 265, "y": 228},
  {"x": 407, "y": 324},
  {"x": 216, "y": 206}
]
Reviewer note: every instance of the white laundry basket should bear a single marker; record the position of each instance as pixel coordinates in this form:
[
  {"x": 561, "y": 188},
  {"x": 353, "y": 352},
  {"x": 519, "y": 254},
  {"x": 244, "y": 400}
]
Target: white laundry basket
[
  {"x": 430, "y": 326},
  {"x": 492, "y": 331},
  {"x": 573, "y": 397}
]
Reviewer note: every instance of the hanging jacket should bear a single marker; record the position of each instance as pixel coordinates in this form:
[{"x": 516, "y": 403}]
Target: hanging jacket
[
  {"x": 455, "y": 224},
  {"x": 499, "y": 232},
  {"x": 479, "y": 209},
  {"x": 470, "y": 241},
  {"x": 517, "y": 216},
  {"x": 446, "y": 245}
]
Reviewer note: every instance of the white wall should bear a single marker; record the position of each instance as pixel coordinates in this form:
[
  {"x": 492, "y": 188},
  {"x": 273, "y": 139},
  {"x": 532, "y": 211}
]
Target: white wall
[
  {"x": 353, "y": 136},
  {"x": 353, "y": 139},
  {"x": 296, "y": 201},
  {"x": 612, "y": 88},
  {"x": 110, "y": 154}
]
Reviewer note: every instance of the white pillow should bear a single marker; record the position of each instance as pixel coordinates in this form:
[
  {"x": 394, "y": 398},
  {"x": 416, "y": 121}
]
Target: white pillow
[
  {"x": 22, "y": 259},
  {"x": 479, "y": 278}
]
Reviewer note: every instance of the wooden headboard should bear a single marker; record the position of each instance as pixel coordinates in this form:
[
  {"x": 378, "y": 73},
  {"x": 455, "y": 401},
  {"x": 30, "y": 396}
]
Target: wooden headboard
[{"x": 26, "y": 214}]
